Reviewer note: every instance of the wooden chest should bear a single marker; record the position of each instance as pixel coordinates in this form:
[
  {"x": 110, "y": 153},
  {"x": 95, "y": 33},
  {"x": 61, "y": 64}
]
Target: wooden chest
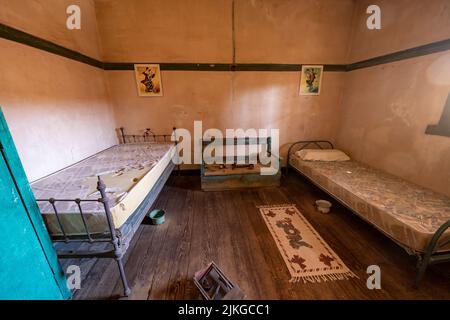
[{"x": 215, "y": 177}]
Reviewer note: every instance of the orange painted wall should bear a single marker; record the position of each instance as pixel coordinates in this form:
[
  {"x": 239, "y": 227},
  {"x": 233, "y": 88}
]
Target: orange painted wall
[
  {"x": 165, "y": 30},
  {"x": 58, "y": 110},
  {"x": 378, "y": 114},
  {"x": 387, "y": 108},
  {"x": 47, "y": 19},
  {"x": 230, "y": 100},
  {"x": 405, "y": 24},
  {"x": 292, "y": 31},
  {"x": 269, "y": 31}
]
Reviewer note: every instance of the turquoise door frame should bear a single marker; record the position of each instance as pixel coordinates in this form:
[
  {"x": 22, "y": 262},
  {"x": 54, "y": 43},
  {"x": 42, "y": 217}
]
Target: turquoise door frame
[{"x": 28, "y": 261}]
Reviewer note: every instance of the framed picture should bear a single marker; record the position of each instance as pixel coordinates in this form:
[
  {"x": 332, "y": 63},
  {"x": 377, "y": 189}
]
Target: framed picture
[
  {"x": 214, "y": 285},
  {"x": 148, "y": 80},
  {"x": 311, "y": 80}
]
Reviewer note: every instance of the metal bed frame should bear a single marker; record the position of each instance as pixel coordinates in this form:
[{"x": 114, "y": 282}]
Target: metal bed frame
[
  {"x": 117, "y": 240},
  {"x": 147, "y": 136},
  {"x": 431, "y": 255}
]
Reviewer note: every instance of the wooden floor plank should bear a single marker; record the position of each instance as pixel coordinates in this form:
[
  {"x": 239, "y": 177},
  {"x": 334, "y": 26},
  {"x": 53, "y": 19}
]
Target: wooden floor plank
[
  {"x": 147, "y": 259},
  {"x": 140, "y": 252},
  {"x": 254, "y": 251},
  {"x": 226, "y": 227},
  {"x": 179, "y": 271},
  {"x": 166, "y": 259},
  {"x": 201, "y": 247}
]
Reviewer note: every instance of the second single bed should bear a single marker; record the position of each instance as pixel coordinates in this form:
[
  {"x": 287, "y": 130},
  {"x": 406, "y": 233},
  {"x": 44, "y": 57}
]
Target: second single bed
[{"x": 416, "y": 218}]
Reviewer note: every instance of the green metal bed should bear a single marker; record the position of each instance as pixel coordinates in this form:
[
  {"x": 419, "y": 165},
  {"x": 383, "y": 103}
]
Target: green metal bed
[{"x": 436, "y": 251}]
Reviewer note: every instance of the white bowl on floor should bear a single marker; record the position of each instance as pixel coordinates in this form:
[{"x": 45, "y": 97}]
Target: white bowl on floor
[{"x": 323, "y": 206}]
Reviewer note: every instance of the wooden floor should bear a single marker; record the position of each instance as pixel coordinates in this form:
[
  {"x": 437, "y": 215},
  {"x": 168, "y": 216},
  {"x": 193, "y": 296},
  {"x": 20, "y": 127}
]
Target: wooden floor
[{"x": 226, "y": 227}]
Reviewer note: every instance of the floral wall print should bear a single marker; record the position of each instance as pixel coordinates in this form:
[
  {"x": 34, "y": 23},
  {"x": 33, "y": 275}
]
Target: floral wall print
[
  {"x": 148, "y": 80},
  {"x": 311, "y": 80}
]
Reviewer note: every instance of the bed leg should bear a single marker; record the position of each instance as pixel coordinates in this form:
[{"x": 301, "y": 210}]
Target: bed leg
[
  {"x": 422, "y": 265},
  {"x": 126, "y": 288},
  {"x": 118, "y": 251}
]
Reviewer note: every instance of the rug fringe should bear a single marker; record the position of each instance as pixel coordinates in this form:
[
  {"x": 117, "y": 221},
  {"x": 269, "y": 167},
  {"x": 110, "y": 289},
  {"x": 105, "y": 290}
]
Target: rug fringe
[
  {"x": 312, "y": 274},
  {"x": 324, "y": 277},
  {"x": 276, "y": 205}
]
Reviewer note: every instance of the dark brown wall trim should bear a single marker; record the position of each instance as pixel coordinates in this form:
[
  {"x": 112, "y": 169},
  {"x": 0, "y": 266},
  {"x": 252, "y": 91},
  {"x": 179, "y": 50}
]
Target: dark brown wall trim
[
  {"x": 38, "y": 43},
  {"x": 430, "y": 48},
  {"x": 16, "y": 35},
  {"x": 224, "y": 67}
]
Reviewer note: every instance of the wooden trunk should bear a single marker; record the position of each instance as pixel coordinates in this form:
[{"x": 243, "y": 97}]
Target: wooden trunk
[{"x": 239, "y": 181}]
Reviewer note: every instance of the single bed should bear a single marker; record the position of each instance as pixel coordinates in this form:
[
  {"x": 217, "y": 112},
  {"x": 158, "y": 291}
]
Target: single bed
[
  {"x": 105, "y": 197},
  {"x": 129, "y": 171},
  {"x": 416, "y": 218}
]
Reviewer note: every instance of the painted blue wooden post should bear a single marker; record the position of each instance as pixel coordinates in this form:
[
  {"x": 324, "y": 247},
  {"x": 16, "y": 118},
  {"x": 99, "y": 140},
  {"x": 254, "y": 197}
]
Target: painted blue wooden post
[{"x": 29, "y": 268}]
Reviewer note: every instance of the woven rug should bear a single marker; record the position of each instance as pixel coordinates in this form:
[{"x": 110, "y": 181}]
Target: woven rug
[{"x": 306, "y": 254}]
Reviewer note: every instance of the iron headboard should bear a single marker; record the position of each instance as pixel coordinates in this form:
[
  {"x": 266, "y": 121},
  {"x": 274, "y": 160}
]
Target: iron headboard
[{"x": 147, "y": 136}]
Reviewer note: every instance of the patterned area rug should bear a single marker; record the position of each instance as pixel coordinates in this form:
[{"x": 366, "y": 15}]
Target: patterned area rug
[{"x": 306, "y": 254}]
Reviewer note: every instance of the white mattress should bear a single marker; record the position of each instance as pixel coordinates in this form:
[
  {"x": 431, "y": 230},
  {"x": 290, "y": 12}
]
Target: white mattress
[{"x": 129, "y": 171}]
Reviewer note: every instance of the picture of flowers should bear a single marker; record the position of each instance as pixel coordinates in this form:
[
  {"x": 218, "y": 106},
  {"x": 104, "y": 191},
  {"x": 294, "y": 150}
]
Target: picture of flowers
[
  {"x": 311, "y": 80},
  {"x": 148, "y": 80}
]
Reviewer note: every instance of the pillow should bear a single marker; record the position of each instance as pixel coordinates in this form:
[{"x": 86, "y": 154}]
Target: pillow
[{"x": 322, "y": 155}]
